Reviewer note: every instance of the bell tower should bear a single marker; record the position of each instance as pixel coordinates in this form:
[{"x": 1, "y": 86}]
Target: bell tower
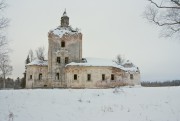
[
  {"x": 65, "y": 46},
  {"x": 64, "y": 20}
]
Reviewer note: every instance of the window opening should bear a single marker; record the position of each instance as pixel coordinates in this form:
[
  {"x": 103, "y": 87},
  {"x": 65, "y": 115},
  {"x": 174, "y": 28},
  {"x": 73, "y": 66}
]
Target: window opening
[
  {"x": 75, "y": 76},
  {"x": 57, "y": 76},
  {"x": 62, "y": 44},
  {"x": 89, "y": 77},
  {"x": 66, "y": 60},
  {"x": 112, "y": 76},
  {"x": 40, "y": 76},
  {"x": 131, "y": 76},
  {"x": 30, "y": 76},
  {"x": 58, "y": 60},
  {"x": 103, "y": 77}
]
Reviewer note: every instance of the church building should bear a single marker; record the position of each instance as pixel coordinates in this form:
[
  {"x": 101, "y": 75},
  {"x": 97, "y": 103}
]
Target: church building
[{"x": 66, "y": 68}]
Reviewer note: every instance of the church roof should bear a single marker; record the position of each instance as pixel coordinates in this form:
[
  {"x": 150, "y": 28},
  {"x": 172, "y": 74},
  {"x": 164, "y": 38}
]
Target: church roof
[
  {"x": 96, "y": 62},
  {"x": 103, "y": 62},
  {"x": 60, "y": 31},
  {"x": 38, "y": 62}
]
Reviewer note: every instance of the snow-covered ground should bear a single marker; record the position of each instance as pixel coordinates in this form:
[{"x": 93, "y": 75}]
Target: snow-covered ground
[{"x": 124, "y": 104}]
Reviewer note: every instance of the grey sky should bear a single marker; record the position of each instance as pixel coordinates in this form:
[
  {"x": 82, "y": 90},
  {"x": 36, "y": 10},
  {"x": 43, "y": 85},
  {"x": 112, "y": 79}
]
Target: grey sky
[{"x": 109, "y": 27}]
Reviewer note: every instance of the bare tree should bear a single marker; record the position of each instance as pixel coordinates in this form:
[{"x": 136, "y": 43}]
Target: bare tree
[
  {"x": 31, "y": 55},
  {"x": 3, "y": 21},
  {"x": 27, "y": 60},
  {"x": 40, "y": 53},
  {"x": 3, "y": 46},
  {"x": 5, "y": 68},
  {"x": 119, "y": 60},
  {"x": 3, "y": 24},
  {"x": 165, "y": 14}
]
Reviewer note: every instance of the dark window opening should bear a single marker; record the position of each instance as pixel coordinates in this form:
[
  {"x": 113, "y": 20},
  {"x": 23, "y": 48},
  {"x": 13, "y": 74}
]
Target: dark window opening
[
  {"x": 45, "y": 85},
  {"x": 30, "y": 76},
  {"x": 66, "y": 60},
  {"x": 131, "y": 76},
  {"x": 112, "y": 76},
  {"x": 40, "y": 76},
  {"x": 62, "y": 44},
  {"x": 75, "y": 76},
  {"x": 57, "y": 76},
  {"x": 58, "y": 60},
  {"x": 103, "y": 77},
  {"x": 89, "y": 77}
]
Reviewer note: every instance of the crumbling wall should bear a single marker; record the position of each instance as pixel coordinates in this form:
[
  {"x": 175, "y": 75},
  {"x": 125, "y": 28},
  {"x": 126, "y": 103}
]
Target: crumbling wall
[
  {"x": 72, "y": 50},
  {"x": 120, "y": 79},
  {"x": 35, "y": 82}
]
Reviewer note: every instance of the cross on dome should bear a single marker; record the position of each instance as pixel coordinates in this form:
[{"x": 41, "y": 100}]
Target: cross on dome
[{"x": 65, "y": 14}]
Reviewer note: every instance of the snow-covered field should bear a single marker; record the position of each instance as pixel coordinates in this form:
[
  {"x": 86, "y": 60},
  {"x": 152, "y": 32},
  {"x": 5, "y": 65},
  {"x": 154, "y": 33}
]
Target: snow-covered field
[{"x": 126, "y": 104}]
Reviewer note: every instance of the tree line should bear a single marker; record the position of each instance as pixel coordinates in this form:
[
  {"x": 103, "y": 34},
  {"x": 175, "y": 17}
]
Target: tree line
[
  {"x": 161, "y": 84},
  {"x": 18, "y": 83}
]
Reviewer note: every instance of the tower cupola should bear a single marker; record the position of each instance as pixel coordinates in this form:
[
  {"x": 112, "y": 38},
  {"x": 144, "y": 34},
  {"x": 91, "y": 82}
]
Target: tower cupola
[{"x": 64, "y": 20}]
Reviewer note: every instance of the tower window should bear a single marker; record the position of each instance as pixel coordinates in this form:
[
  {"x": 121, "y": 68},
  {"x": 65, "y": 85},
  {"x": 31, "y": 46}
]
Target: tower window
[
  {"x": 62, "y": 44},
  {"x": 57, "y": 76},
  {"x": 103, "y": 77},
  {"x": 89, "y": 77},
  {"x": 58, "y": 60},
  {"x": 131, "y": 76},
  {"x": 40, "y": 76},
  {"x": 66, "y": 60},
  {"x": 30, "y": 76},
  {"x": 112, "y": 76},
  {"x": 75, "y": 76}
]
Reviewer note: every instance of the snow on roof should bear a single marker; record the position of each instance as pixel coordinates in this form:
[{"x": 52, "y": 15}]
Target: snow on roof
[
  {"x": 102, "y": 62},
  {"x": 38, "y": 62},
  {"x": 60, "y": 31},
  {"x": 127, "y": 62}
]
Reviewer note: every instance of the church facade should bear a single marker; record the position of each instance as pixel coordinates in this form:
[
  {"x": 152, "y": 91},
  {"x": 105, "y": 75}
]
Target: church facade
[{"x": 66, "y": 68}]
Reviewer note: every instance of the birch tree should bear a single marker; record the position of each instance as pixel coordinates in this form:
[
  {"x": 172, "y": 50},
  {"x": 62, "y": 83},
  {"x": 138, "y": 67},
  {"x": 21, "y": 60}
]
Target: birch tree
[
  {"x": 5, "y": 68},
  {"x": 165, "y": 14}
]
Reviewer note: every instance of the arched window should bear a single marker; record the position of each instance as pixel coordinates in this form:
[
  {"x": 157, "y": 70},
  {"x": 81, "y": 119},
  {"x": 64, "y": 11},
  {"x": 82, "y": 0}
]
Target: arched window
[
  {"x": 30, "y": 76},
  {"x": 40, "y": 76},
  {"x": 62, "y": 44},
  {"x": 57, "y": 76},
  {"x": 131, "y": 76},
  {"x": 112, "y": 76}
]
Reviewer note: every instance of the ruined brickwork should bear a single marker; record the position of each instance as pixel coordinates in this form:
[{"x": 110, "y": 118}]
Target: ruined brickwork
[
  {"x": 113, "y": 77},
  {"x": 34, "y": 78},
  {"x": 66, "y": 68}
]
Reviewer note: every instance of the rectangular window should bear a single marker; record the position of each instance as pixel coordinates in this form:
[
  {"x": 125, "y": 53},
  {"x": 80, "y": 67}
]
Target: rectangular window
[
  {"x": 57, "y": 76},
  {"x": 103, "y": 77},
  {"x": 75, "y": 76},
  {"x": 40, "y": 76},
  {"x": 30, "y": 76},
  {"x": 89, "y": 77},
  {"x": 66, "y": 60},
  {"x": 131, "y": 76},
  {"x": 58, "y": 60},
  {"x": 112, "y": 76},
  {"x": 62, "y": 44}
]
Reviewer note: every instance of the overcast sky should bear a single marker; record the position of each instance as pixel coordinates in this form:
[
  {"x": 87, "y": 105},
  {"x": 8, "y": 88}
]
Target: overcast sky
[{"x": 109, "y": 27}]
